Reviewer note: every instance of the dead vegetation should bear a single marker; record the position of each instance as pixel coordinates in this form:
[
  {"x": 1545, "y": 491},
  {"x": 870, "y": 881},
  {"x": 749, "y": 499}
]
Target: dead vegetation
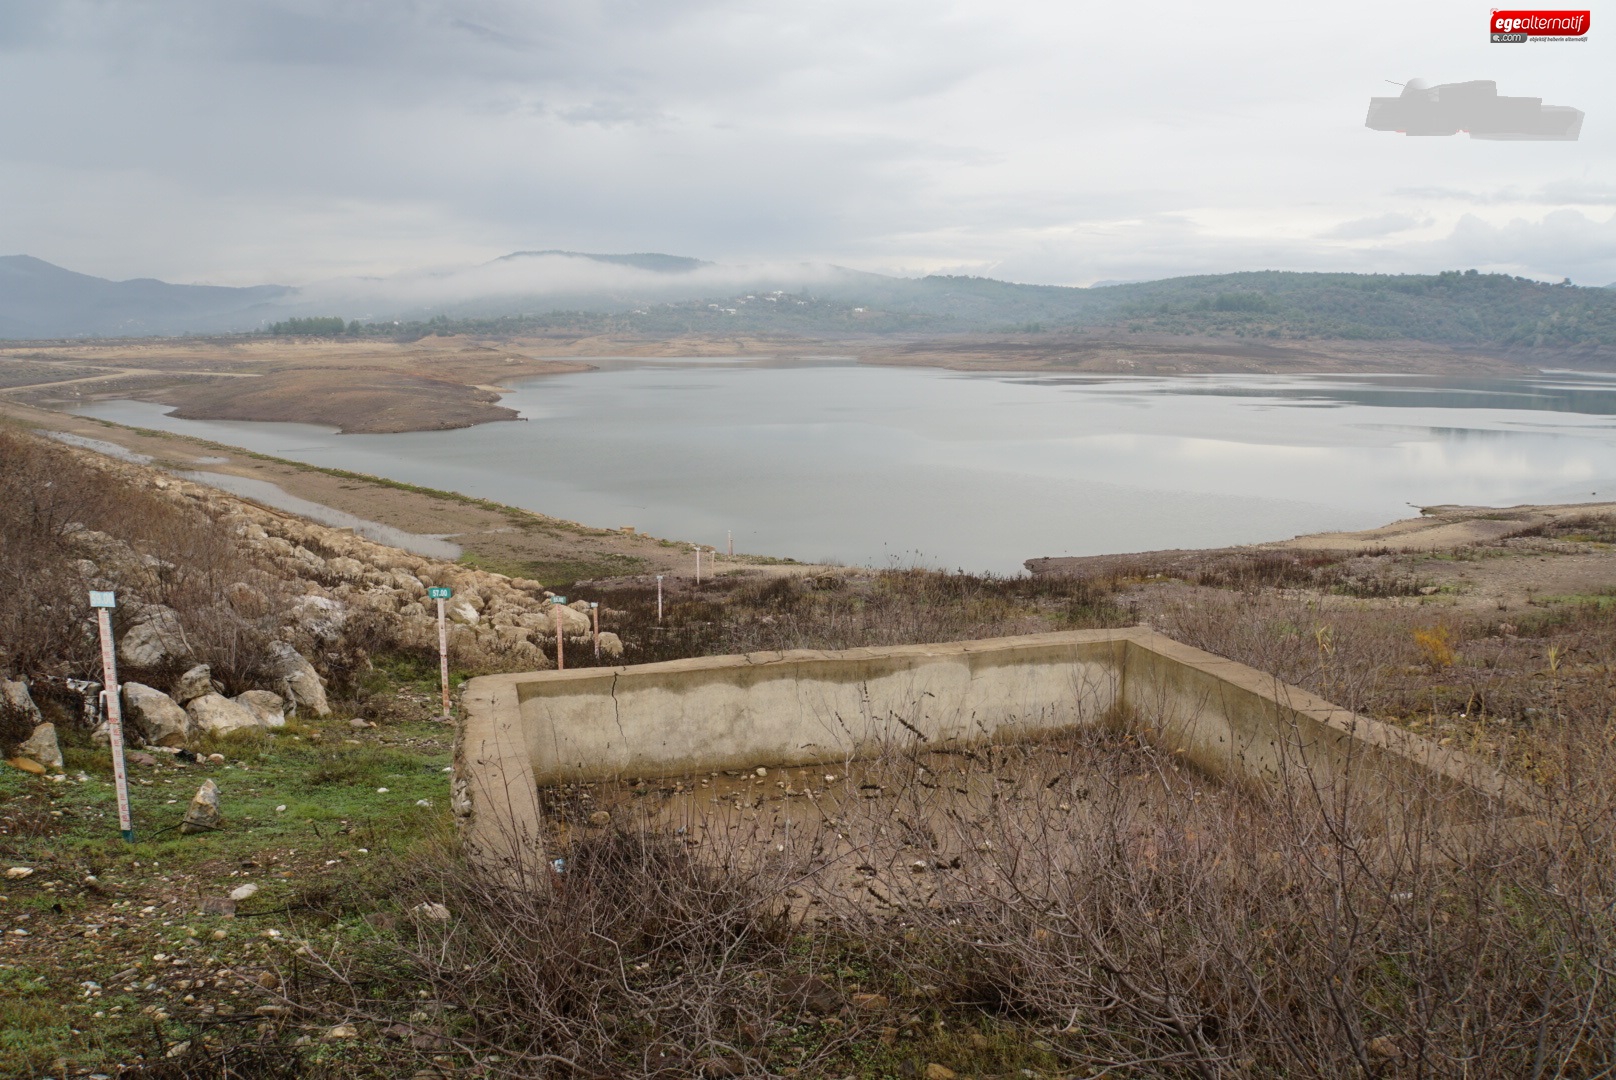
[{"x": 1074, "y": 927}]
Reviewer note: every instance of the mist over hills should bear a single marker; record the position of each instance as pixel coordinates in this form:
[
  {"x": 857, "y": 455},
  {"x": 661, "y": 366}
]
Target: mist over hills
[{"x": 658, "y": 294}]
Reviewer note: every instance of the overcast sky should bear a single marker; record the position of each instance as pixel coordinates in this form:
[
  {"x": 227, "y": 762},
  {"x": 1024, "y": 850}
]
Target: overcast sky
[{"x": 1065, "y": 142}]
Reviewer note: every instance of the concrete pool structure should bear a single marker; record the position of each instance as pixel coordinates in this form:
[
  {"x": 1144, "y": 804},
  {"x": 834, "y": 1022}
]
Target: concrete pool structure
[{"x": 522, "y": 732}]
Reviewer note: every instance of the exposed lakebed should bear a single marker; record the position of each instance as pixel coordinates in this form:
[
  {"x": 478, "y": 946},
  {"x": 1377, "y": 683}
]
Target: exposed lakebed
[{"x": 821, "y": 458}]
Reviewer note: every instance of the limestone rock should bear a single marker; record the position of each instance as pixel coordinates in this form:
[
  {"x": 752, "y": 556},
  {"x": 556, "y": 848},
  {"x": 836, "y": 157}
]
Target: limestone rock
[
  {"x": 15, "y": 700},
  {"x": 320, "y": 616},
  {"x": 246, "y": 600},
  {"x": 155, "y": 640},
  {"x": 267, "y": 708},
  {"x": 203, "y": 814},
  {"x": 610, "y": 644},
  {"x": 218, "y": 715},
  {"x": 244, "y": 892},
  {"x": 155, "y": 716},
  {"x": 573, "y": 621},
  {"x": 193, "y": 684},
  {"x": 42, "y": 746},
  {"x": 346, "y": 568},
  {"x": 460, "y": 611},
  {"x": 299, "y": 679}
]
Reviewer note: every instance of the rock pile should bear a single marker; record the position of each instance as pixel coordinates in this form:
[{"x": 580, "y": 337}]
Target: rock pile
[{"x": 309, "y": 586}]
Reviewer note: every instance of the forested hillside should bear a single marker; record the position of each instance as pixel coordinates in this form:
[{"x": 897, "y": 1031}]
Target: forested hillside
[{"x": 1459, "y": 308}]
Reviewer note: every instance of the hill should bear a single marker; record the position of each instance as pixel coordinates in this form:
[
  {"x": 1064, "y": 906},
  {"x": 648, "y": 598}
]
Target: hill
[
  {"x": 662, "y": 295},
  {"x": 41, "y": 300},
  {"x": 1450, "y": 308}
]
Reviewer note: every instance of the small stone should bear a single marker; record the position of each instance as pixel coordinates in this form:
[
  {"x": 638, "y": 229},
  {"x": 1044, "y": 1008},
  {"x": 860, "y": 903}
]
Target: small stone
[
  {"x": 178, "y": 1049},
  {"x": 817, "y": 993},
  {"x": 203, "y": 814},
  {"x": 423, "y": 802},
  {"x": 343, "y": 1031},
  {"x": 244, "y": 892},
  {"x": 216, "y": 759},
  {"x": 281, "y": 809},
  {"x": 27, "y": 765},
  {"x": 17, "y": 873},
  {"x": 381, "y": 791},
  {"x": 600, "y": 817},
  {"x": 140, "y": 757},
  {"x": 218, "y": 935},
  {"x": 359, "y": 723},
  {"x": 935, "y": 1071},
  {"x": 268, "y": 980},
  {"x": 430, "y": 912},
  {"x": 761, "y": 771}
]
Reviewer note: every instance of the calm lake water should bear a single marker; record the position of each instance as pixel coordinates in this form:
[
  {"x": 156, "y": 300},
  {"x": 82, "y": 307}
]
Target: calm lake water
[{"x": 823, "y": 459}]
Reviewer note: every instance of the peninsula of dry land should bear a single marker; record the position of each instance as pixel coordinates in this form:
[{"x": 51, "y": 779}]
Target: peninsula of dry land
[{"x": 372, "y": 385}]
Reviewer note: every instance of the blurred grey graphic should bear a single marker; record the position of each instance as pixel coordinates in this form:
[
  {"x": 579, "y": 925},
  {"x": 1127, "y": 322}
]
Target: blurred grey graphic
[{"x": 1474, "y": 107}]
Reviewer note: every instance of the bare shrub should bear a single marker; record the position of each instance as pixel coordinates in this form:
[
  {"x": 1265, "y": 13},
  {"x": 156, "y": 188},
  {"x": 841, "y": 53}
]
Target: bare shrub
[
  {"x": 174, "y": 555},
  {"x": 832, "y": 611}
]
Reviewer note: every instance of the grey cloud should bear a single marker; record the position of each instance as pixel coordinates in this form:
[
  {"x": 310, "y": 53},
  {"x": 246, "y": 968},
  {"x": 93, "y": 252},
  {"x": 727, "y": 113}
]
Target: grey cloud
[
  {"x": 297, "y": 140},
  {"x": 1379, "y": 225}
]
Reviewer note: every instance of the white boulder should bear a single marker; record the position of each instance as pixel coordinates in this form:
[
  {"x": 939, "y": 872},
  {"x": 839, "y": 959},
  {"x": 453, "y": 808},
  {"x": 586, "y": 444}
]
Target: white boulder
[
  {"x": 193, "y": 684},
  {"x": 267, "y": 708},
  {"x": 218, "y": 715},
  {"x": 15, "y": 700},
  {"x": 42, "y": 747},
  {"x": 299, "y": 679},
  {"x": 155, "y": 716},
  {"x": 154, "y": 640}
]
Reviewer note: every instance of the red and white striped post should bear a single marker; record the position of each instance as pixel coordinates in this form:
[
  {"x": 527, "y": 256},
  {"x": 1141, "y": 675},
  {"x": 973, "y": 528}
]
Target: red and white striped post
[
  {"x": 559, "y": 602},
  {"x": 729, "y": 540},
  {"x": 104, "y": 602},
  {"x": 698, "y": 564},
  {"x": 440, "y": 593},
  {"x": 659, "y": 599},
  {"x": 594, "y": 611}
]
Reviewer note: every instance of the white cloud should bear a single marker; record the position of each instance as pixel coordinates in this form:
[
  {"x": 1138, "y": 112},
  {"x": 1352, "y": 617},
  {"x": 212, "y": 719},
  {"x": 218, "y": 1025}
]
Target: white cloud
[{"x": 297, "y": 140}]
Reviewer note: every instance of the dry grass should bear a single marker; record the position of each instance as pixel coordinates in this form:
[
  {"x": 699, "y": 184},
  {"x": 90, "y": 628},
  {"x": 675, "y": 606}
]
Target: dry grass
[{"x": 1119, "y": 914}]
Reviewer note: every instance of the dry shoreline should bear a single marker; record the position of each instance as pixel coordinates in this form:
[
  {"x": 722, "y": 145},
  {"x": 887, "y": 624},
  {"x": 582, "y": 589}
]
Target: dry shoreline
[{"x": 439, "y": 383}]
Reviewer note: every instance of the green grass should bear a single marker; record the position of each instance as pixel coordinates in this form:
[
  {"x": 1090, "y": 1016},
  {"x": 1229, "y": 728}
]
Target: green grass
[{"x": 340, "y": 837}]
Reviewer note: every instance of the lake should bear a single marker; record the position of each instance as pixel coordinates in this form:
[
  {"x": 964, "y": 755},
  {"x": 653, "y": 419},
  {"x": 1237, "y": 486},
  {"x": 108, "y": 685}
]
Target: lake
[{"x": 824, "y": 459}]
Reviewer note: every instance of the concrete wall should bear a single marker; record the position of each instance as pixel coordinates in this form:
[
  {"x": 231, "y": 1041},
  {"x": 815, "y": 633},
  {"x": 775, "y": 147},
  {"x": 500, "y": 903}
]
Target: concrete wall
[
  {"x": 798, "y": 708},
  {"x": 524, "y": 731}
]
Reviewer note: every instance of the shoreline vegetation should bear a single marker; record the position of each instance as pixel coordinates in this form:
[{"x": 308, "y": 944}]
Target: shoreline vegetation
[{"x": 1128, "y": 918}]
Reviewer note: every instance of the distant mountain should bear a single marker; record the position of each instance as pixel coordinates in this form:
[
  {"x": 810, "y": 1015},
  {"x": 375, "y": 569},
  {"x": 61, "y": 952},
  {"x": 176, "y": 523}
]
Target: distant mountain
[
  {"x": 645, "y": 260},
  {"x": 662, "y": 295},
  {"x": 39, "y": 300}
]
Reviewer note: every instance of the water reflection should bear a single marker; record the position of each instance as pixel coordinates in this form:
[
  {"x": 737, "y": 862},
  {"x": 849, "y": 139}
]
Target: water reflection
[{"x": 820, "y": 460}]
